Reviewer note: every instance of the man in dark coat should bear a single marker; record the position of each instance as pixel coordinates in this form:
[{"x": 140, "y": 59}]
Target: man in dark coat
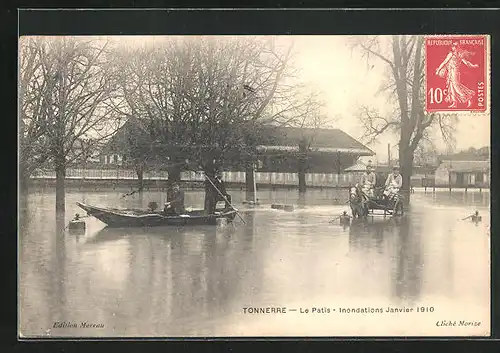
[
  {"x": 214, "y": 195},
  {"x": 222, "y": 188},
  {"x": 175, "y": 205}
]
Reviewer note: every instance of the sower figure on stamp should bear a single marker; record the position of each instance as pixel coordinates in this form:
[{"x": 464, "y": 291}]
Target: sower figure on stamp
[{"x": 456, "y": 91}]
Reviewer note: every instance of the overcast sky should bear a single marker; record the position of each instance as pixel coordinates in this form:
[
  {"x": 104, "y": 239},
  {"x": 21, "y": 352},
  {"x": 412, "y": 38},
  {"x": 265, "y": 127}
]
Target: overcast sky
[{"x": 347, "y": 81}]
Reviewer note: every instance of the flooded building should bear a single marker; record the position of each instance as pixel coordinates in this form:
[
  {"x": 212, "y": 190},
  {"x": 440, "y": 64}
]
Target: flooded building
[
  {"x": 280, "y": 154},
  {"x": 460, "y": 173}
]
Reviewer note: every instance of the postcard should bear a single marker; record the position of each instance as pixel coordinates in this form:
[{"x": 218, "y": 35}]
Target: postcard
[{"x": 243, "y": 186}]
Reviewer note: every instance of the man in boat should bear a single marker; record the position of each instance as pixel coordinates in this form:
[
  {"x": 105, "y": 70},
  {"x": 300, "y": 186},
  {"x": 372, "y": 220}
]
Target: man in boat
[
  {"x": 217, "y": 192},
  {"x": 222, "y": 188},
  {"x": 176, "y": 205},
  {"x": 393, "y": 183}
]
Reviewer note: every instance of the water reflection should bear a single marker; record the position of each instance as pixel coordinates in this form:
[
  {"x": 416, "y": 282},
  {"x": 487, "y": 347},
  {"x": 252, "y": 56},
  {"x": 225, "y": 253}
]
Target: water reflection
[
  {"x": 399, "y": 240},
  {"x": 169, "y": 281}
]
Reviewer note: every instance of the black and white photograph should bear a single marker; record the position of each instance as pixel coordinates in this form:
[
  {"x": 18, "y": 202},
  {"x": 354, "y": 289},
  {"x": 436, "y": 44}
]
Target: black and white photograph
[{"x": 252, "y": 185}]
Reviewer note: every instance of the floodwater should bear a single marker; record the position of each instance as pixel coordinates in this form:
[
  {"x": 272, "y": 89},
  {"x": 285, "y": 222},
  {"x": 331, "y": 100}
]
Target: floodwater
[{"x": 199, "y": 281}]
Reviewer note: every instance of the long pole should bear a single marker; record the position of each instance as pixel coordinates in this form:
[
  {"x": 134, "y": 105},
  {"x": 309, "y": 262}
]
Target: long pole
[
  {"x": 225, "y": 199},
  {"x": 389, "y": 156}
]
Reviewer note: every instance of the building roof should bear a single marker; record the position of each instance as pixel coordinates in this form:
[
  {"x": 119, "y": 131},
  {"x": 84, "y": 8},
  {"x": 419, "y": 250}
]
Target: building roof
[
  {"x": 120, "y": 138},
  {"x": 321, "y": 140},
  {"x": 278, "y": 138},
  {"x": 472, "y": 154},
  {"x": 358, "y": 167},
  {"x": 466, "y": 166}
]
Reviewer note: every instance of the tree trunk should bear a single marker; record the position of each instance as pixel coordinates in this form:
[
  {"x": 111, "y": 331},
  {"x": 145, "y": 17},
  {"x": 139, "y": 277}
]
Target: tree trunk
[
  {"x": 302, "y": 171},
  {"x": 174, "y": 175},
  {"x": 250, "y": 182},
  {"x": 302, "y": 166},
  {"x": 60, "y": 191},
  {"x": 140, "y": 177},
  {"x": 23, "y": 180},
  {"x": 210, "y": 196},
  {"x": 302, "y": 181},
  {"x": 406, "y": 168}
]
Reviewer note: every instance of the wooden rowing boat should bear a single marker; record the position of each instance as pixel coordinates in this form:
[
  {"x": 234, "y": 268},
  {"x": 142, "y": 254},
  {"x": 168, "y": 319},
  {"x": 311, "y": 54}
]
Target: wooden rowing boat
[{"x": 120, "y": 218}]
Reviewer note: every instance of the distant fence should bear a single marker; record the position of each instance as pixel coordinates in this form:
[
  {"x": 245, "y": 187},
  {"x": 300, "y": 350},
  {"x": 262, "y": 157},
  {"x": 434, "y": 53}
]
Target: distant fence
[
  {"x": 431, "y": 183},
  {"x": 104, "y": 174},
  {"x": 274, "y": 178},
  {"x": 312, "y": 179},
  {"x": 262, "y": 178}
]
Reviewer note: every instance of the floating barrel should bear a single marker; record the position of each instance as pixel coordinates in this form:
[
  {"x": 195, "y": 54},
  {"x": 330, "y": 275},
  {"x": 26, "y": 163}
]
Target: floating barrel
[{"x": 76, "y": 224}]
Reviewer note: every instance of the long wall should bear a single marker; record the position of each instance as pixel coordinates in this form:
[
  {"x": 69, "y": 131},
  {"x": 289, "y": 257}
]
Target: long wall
[{"x": 262, "y": 178}]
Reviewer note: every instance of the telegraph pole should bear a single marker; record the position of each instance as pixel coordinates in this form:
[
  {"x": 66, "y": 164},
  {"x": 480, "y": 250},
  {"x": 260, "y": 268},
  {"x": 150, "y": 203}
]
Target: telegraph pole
[{"x": 389, "y": 156}]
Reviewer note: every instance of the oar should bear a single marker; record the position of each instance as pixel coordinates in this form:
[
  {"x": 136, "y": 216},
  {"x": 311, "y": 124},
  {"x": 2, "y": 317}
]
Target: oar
[{"x": 225, "y": 199}]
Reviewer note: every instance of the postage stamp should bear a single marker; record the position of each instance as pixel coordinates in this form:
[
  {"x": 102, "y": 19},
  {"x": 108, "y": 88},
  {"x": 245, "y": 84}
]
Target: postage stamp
[
  {"x": 253, "y": 185},
  {"x": 456, "y": 73}
]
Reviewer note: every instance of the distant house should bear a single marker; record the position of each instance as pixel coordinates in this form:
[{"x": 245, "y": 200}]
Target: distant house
[
  {"x": 328, "y": 150},
  {"x": 462, "y": 173},
  {"x": 84, "y": 151},
  {"x": 355, "y": 171},
  {"x": 116, "y": 151},
  {"x": 358, "y": 167}
]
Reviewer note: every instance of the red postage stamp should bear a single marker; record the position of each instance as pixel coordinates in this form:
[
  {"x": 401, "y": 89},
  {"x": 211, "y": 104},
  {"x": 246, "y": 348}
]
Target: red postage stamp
[{"x": 456, "y": 73}]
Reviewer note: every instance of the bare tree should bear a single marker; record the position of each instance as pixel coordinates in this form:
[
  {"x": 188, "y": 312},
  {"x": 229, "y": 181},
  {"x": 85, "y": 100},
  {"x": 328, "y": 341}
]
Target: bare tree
[
  {"x": 404, "y": 60},
  {"x": 426, "y": 153},
  {"x": 66, "y": 92},
  {"x": 33, "y": 152},
  {"x": 304, "y": 111},
  {"x": 200, "y": 94}
]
